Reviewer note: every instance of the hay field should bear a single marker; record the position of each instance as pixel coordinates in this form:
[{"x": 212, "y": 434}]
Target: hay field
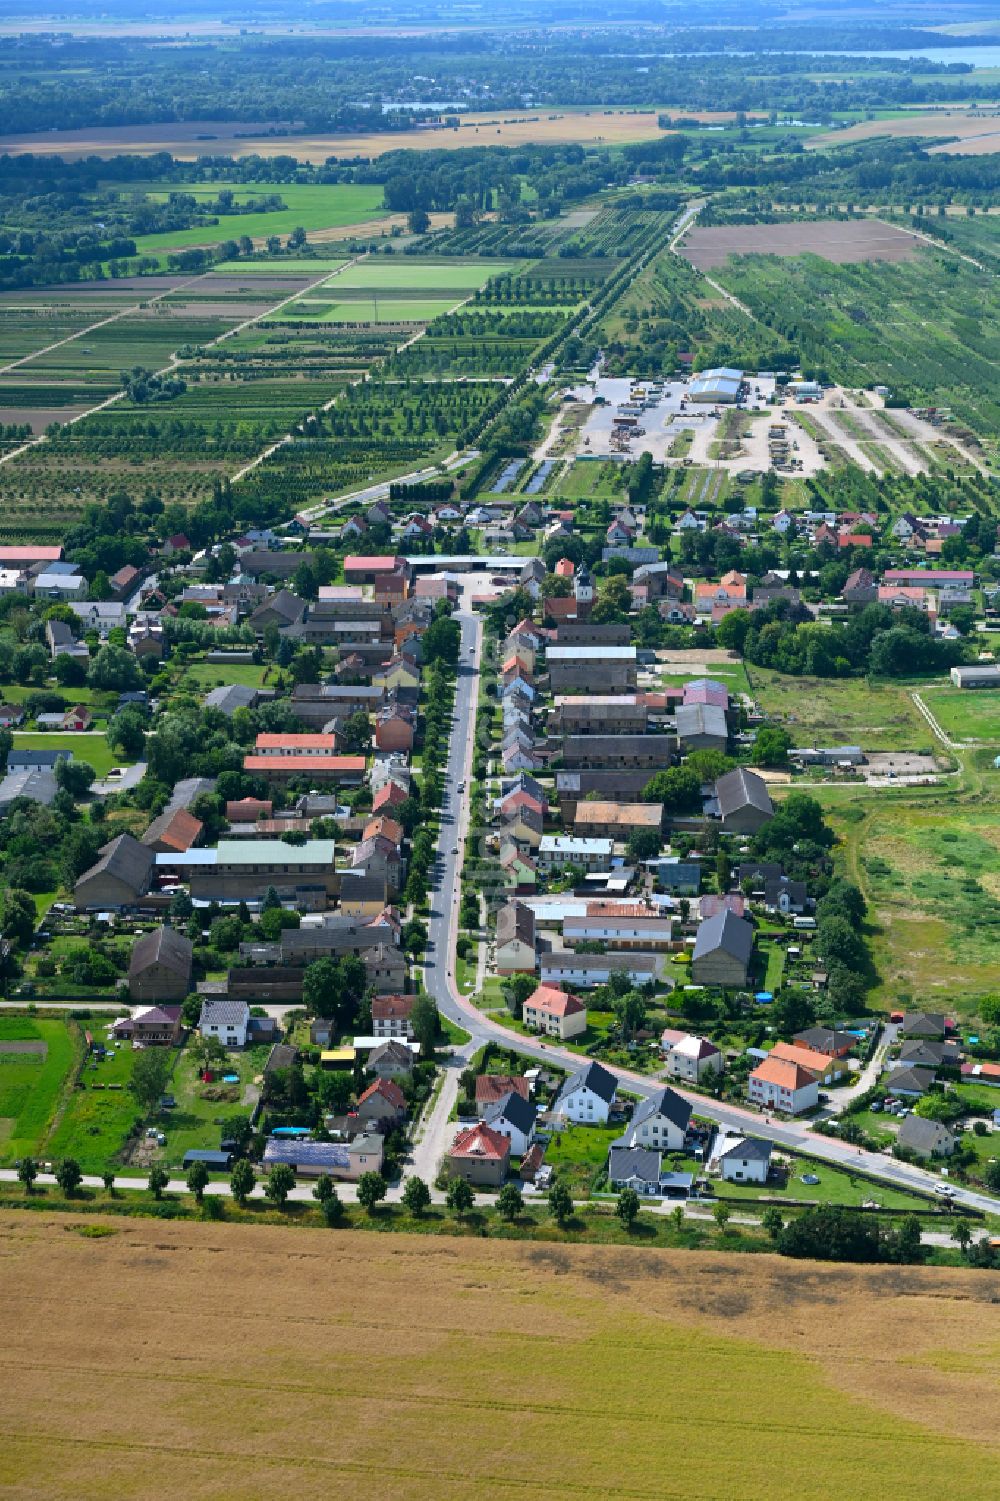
[
  {"x": 608, "y": 126},
  {"x": 841, "y": 241},
  {"x": 211, "y": 1361},
  {"x": 976, "y": 133}
]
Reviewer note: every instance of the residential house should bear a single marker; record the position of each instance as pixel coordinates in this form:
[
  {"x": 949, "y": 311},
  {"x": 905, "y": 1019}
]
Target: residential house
[
  {"x": 583, "y": 971},
  {"x": 919, "y": 1052},
  {"x": 490, "y": 1088},
  {"x": 745, "y": 1159},
  {"x": 481, "y": 1156},
  {"x": 513, "y": 1117},
  {"x": 391, "y": 1015},
  {"x": 556, "y": 1012},
  {"x": 515, "y": 939},
  {"x": 827, "y": 1040},
  {"x": 587, "y": 1096},
  {"x": 910, "y": 1083},
  {"x": 639, "y": 1168},
  {"x": 744, "y": 802},
  {"x": 152, "y": 1026},
  {"x": 692, "y": 1058},
  {"x": 926, "y": 1138},
  {"x": 613, "y": 820},
  {"x": 925, "y": 1024},
  {"x": 160, "y": 966},
  {"x": 226, "y": 1021},
  {"x": 383, "y": 1105},
  {"x": 778, "y": 1084},
  {"x": 827, "y": 1070},
  {"x": 345, "y": 1161},
  {"x": 174, "y": 831},
  {"x": 390, "y": 1060},
  {"x": 661, "y": 1122}
]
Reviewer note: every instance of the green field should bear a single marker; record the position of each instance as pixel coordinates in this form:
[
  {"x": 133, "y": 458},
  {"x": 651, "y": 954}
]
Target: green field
[
  {"x": 199, "y": 1120},
  {"x": 89, "y": 746},
  {"x": 100, "y": 1111},
  {"x": 842, "y": 711},
  {"x": 406, "y": 274},
  {"x": 201, "y": 676},
  {"x": 834, "y": 1187},
  {"x": 309, "y": 207},
  {"x": 30, "y": 1083},
  {"x": 365, "y": 310},
  {"x": 965, "y": 714}
]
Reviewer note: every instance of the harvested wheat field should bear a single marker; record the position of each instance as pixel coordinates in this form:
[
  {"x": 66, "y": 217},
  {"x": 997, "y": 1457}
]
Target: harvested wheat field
[
  {"x": 973, "y": 132},
  {"x": 599, "y": 125},
  {"x": 218, "y": 1361},
  {"x": 843, "y": 241}
]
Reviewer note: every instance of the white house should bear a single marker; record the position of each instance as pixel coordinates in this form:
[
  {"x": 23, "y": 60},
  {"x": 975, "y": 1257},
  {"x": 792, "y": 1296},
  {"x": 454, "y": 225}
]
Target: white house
[
  {"x": 779, "y": 1084},
  {"x": 513, "y": 1117},
  {"x": 745, "y": 1159},
  {"x": 587, "y": 1096},
  {"x": 556, "y": 850},
  {"x": 692, "y": 1058},
  {"x": 226, "y": 1021},
  {"x": 660, "y": 1122}
]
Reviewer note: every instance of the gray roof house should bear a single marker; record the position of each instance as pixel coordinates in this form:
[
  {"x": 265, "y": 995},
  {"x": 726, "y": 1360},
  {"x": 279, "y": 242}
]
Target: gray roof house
[
  {"x": 926, "y": 1138},
  {"x": 701, "y": 727},
  {"x": 661, "y": 1121},
  {"x": 40, "y": 786},
  {"x": 230, "y": 697},
  {"x": 722, "y": 950},
  {"x": 921, "y": 1053},
  {"x": 594, "y": 1077},
  {"x": 744, "y": 802},
  {"x": 634, "y": 1167},
  {"x": 911, "y": 1082},
  {"x": 922, "y": 1024},
  {"x": 514, "y": 1117},
  {"x": 744, "y": 1151},
  {"x": 119, "y": 878}
]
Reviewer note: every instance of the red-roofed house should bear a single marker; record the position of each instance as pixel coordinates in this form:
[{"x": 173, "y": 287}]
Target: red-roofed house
[
  {"x": 293, "y": 745},
  {"x": 349, "y": 770},
  {"x": 555, "y": 1012},
  {"x": 382, "y": 1101},
  {"x": 249, "y": 809},
  {"x": 493, "y": 1087},
  {"x": 481, "y": 1156},
  {"x": 389, "y": 795},
  {"x": 391, "y": 1016},
  {"x": 780, "y": 1084}
]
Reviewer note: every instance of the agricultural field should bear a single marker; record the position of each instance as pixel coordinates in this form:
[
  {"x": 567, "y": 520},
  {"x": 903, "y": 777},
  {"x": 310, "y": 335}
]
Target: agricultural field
[
  {"x": 973, "y": 134},
  {"x": 35, "y": 1060},
  {"x": 676, "y": 1323},
  {"x": 841, "y": 241},
  {"x": 928, "y": 327},
  {"x": 312, "y": 207}
]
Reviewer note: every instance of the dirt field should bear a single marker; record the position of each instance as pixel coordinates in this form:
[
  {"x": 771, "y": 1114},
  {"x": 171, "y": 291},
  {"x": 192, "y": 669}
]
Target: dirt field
[
  {"x": 977, "y": 133},
  {"x": 210, "y": 1361},
  {"x": 499, "y": 128},
  {"x": 840, "y": 240}
]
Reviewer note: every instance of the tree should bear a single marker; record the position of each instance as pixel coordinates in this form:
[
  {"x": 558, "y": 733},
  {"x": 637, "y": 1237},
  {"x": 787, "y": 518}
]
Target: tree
[
  {"x": 772, "y": 1221},
  {"x": 69, "y": 1176},
  {"x": 27, "y": 1172},
  {"x": 721, "y": 1213},
  {"x": 643, "y": 844},
  {"x": 242, "y": 1181},
  {"x": 197, "y": 1180},
  {"x": 677, "y": 1215},
  {"x": 323, "y": 1188},
  {"x": 332, "y": 988},
  {"x": 459, "y": 1196},
  {"x": 962, "y": 1233},
  {"x": 126, "y": 732},
  {"x": 108, "y": 1179},
  {"x": 771, "y": 747},
  {"x": 627, "y": 1207},
  {"x": 425, "y": 1023},
  {"x": 150, "y": 1072},
  {"x": 114, "y": 670},
  {"x": 509, "y": 1202},
  {"x": 357, "y": 734},
  {"x": 75, "y": 776},
  {"x": 560, "y": 1203},
  {"x": 416, "y": 1196},
  {"x": 332, "y": 1209},
  {"x": 991, "y": 1176},
  {"x": 678, "y": 789},
  {"x": 442, "y": 641},
  {"x": 280, "y": 1182},
  {"x": 418, "y": 221},
  {"x": 158, "y": 1180},
  {"x": 17, "y": 915},
  {"x": 371, "y": 1191},
  {"x": 630, "y": 1009}
]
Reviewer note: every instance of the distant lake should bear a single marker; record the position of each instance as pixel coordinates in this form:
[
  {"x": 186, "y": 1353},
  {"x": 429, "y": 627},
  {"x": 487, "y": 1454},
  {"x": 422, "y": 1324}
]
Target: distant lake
[{"x": 974, "y": 57}]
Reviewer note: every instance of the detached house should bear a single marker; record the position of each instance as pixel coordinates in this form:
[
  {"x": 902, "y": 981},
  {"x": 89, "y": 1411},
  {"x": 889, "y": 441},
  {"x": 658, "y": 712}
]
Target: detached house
[
  {"x": 587, "y": 1096},
  {"x": 515, "y": 939},
  {"x": 226, "y": 1021},
  {"x": 512, "y": 1117},
  {"x": 391, "y": 1016},
  {"x": 660, "y": 1122},
  {"x": 555, "y": 1012},
  {"x": 779, "y": 1084},
  {"x": 481, "y": 1156}
]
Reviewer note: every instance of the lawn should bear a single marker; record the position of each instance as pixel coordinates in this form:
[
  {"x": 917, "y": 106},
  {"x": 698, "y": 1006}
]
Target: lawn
[
  {"x": 842, "y": 711},
  {"x": 99, "y": 1111},
  {"x": 201, "y": 676},
  {"x": 834, "y": 1187},
  {"x": 30, "y": 1083},
  {"x": 965, "y": 714},
  {"x": 853, "y": 1376},
  {"x": 84, "y": 745},
  {"x": 579, "y": 1153},
  {"x": 310, "y": 207},
  {"x": 199, "y": 1121}
]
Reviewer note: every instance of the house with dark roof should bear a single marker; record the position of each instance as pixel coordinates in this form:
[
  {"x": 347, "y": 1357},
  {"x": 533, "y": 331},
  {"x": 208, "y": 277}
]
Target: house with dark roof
[
  {"x": 120, "y": 876},
  {"x": 747, "y": 1159},
  {"x": 227, "y": 1021},
  {"x": 150, "y": 1026},
  {"x": 722, "y": 951},
  {"x": 311, "y": 1159},
  {"x": 661, "y": 1121},
  {"x": 910, "y": 1083},
  {"x": 926, "y": 1138},
  {"x": 515, "y": 939},
  {"x": 587, "y": 1096},
  {"x": 231, "y": 696},
  {"x": 920, "y": 1053},
  {"x": 160, "y": 966},
  {"x": 827, "y": 1040},
  {"x": 480, "y": 1155},
  {"x": 926, "y": 1024},
  {"x": 744, "y": 801},
  {"x": 390, "y": 1060},
  {"x": 635, "y": 1167},
  {"x": 513, "y": 1117}
]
